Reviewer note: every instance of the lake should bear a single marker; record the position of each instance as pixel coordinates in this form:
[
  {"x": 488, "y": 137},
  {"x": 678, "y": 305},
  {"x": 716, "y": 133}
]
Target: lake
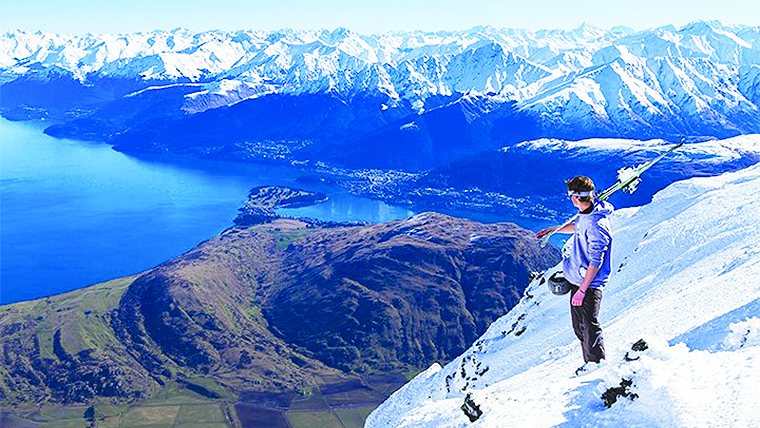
[{"x": 76, "y": 213}]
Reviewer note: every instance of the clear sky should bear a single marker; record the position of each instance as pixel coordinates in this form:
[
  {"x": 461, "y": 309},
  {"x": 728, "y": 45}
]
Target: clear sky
[{"x": 362, "y": 16}]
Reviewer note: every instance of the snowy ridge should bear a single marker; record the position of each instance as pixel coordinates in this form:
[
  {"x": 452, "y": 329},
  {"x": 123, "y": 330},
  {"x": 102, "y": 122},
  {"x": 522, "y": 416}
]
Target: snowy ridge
[
  {"x": 705, "y": 72},
  {"x": 687, "y": 281},
  {"x": 715, "y": 151}
]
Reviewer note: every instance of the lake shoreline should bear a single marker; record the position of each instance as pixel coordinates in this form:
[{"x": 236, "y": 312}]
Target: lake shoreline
[{"x": 79, "y": 213}]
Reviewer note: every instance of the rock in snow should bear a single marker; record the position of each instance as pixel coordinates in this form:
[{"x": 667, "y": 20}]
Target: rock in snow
[{"x": 686, "y": 280}]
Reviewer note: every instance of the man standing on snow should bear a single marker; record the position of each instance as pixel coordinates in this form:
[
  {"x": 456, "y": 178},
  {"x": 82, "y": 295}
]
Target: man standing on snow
[{"x": 587, "y": 266}]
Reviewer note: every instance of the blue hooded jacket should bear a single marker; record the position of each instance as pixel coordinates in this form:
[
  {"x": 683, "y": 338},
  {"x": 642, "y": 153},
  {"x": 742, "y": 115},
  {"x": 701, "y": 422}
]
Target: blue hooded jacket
[{"x": 590, "y": 246}]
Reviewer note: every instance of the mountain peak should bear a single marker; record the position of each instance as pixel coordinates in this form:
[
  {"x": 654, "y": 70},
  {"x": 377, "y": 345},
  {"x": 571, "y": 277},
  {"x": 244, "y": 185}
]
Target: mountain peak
[{"x": 702, "y": 27}]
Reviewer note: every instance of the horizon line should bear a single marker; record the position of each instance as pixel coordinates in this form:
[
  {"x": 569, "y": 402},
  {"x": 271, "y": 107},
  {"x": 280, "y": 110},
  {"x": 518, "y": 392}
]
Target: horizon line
[{"x": 344, "y": 28}]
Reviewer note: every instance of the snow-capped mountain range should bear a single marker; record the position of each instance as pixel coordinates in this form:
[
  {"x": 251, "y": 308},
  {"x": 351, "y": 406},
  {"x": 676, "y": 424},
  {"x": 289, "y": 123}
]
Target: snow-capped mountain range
[
  {"x": 702, "y": 79},
  {"x": 686, "y": 281}
]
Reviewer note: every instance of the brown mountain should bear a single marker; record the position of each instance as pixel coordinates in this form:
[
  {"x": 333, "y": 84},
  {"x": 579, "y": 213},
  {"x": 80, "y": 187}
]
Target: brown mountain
[{"x": 276, "y": 307}]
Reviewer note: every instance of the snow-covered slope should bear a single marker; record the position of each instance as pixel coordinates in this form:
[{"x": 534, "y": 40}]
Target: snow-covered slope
[
  {"x": 699, "y": 78},
  {"x": 705, "y": 152},
  {"x": 687, "y": 281}
]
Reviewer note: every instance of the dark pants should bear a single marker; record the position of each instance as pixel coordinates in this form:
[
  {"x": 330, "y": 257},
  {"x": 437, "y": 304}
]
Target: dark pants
[{"x": 586, "y": 324}]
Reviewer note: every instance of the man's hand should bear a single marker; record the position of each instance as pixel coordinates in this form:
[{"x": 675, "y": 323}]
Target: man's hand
[
  {"x": 546, "y": 231},
  {"x": 578, "y": 298}
]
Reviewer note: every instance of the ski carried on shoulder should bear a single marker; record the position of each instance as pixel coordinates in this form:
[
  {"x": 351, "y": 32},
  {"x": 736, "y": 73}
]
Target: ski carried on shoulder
[{"x": 628, "y": 180}]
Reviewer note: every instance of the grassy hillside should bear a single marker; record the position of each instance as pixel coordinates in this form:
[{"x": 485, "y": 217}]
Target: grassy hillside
[
  {"x": 285, "y": 322},
  {"x": 62, "y": 348}
]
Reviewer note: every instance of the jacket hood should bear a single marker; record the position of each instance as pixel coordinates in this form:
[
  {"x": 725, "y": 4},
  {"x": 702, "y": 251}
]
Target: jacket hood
[{"x": 602, "y": 209}]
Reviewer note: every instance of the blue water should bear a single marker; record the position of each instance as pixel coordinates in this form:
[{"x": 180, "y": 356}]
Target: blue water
[{"x": 76, "y": 213}]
